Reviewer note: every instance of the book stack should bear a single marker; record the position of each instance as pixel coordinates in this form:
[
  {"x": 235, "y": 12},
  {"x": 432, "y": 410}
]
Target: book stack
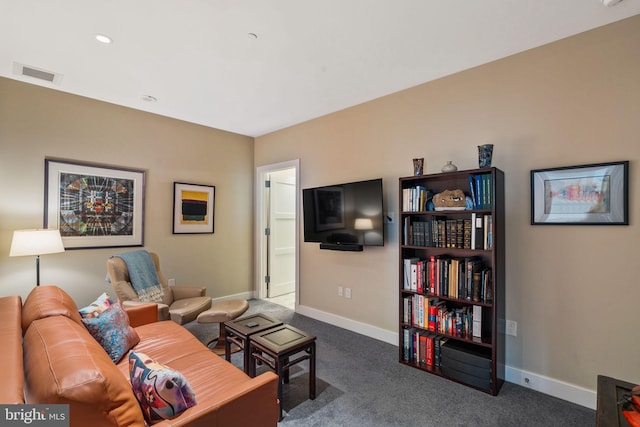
[
  {"x": 440, "y": 232},
  {"x": 421, "y": 347},
  {"x": 415, "y": 199},
  {"x": 480, "y": 187},
  {"x": 460, "y": 278}
]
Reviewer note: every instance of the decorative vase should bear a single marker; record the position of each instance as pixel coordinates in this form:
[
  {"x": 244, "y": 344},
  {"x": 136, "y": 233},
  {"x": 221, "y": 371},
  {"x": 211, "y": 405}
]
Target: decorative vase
[
  {"x": 485, "y": 153},
  {"x": 418, "y": 165},
  {"x": 449, "y": 167}
]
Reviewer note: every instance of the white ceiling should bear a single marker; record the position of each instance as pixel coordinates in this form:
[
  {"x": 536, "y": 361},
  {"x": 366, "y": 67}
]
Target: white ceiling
[{"x": 310, "y": 58}]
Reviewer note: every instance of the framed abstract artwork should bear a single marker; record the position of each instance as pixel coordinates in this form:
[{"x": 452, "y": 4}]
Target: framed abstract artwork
[
  {"x": 93, "y": 205},
  {"x": 595, "y": 194},
  {"x": 193, "y": 208}
]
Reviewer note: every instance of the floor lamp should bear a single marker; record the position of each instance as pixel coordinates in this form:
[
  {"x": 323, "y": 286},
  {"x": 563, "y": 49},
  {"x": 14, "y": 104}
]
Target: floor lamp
[{"x": 36, "y": 242}]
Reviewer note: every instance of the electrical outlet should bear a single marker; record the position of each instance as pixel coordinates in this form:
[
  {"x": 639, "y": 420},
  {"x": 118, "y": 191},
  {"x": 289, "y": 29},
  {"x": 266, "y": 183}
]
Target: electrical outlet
[
  {"x": 171, "y": 282},
  {"x": 347, "y": 292},
  {"x": 340, "y": 291},
  {"x": 512, "y": 328}
]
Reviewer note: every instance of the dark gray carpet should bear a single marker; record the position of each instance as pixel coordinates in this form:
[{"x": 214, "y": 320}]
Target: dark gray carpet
[{"x": 361, "y": 383}]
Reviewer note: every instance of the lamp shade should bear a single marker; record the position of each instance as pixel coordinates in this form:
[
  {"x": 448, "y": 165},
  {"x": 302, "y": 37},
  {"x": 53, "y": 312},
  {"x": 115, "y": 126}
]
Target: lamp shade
[
  {"x": 364, "y": 224},
  {"x": 36, "y": 242}
]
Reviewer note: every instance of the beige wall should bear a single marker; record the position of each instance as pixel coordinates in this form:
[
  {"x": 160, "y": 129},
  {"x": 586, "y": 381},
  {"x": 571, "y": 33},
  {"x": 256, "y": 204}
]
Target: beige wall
[
  {"x": 36, "y": 123},
  {"x": 572, "y": 289}
]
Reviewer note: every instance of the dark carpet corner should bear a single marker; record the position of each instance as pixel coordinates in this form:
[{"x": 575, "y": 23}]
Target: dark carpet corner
[{"x": 361, "y": 383}]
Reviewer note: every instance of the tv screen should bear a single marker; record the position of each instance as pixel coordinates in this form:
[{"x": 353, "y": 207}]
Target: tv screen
[{"x": 344, "y": 214}]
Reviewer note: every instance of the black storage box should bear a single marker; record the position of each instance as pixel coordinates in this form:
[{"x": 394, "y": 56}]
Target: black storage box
[{"x": 466, "y": 363}]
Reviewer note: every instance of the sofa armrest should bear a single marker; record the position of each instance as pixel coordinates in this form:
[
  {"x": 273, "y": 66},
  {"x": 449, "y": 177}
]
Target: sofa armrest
[
  {"x": 182, "y": 292},
  {"x": 12, "y": 390},
  {"x": 252, "y": 403},
  {"x": 141, "y": 313}
]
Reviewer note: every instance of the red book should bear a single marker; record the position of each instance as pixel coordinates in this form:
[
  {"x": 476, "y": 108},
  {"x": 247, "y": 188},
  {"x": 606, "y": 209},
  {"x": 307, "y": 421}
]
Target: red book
[
  {"x": 429, "y": 350},
  {"x": 433, "y": 314},
  {"x": 423, "y": 352},
  {"x": 432, "y": 274}
]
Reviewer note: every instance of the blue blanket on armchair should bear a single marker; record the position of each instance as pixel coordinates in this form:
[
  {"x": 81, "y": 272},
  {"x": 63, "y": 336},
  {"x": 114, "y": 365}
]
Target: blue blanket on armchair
[{"x": 143, "y": 275}]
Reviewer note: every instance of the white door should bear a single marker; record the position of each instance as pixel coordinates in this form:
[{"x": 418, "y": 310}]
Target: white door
[{"x": 281, "y": 237}]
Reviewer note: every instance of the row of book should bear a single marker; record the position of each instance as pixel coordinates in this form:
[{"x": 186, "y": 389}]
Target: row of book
[
  {"x": 415, "y": 199},
  {"x": 434, "y": 315},
  {"x": 421, "y": 347},
  {"x": 442, "y": 232},
  {"x": 461, "y": 278},
  {"x": 480, "y": 187}
]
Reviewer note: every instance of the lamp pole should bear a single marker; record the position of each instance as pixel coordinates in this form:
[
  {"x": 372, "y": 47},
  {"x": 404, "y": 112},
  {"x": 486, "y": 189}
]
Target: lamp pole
[{"x": 37, "y": 270}]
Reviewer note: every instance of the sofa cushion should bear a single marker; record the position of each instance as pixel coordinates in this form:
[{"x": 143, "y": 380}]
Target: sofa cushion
[
  {"x": 64, "y": 364},
  {"x": 112, "y": 330},
  {"x": 161, "y": 391},
  {"x": 45, "y": 301},
  {"x": 173, "y": 345}
]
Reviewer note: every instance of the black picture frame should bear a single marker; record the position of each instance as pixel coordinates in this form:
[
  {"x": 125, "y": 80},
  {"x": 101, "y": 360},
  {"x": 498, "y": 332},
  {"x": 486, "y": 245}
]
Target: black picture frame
[
  {"x": 592, "y": 194},
  {"x": 94, "y": 205}
]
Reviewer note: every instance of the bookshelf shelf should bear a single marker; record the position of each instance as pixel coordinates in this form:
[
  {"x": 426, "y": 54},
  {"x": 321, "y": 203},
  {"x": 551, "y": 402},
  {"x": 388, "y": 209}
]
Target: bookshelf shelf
[{"x": 451, "y": 278}]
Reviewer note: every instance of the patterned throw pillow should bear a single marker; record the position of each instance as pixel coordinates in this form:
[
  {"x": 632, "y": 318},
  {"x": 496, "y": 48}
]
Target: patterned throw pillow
[
  {"x": 112, "y": 330},
  {"x": 161, "y": 391},
  {"x": 98, "y": 306}
]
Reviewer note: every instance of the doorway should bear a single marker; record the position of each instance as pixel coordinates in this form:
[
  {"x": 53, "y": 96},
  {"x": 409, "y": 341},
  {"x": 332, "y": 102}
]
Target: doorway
[{"x": 277, "y": 228}]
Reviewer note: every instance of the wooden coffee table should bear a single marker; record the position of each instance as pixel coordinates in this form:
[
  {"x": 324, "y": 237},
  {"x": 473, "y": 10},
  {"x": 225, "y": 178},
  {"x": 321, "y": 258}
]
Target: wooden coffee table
[
  {"x": 239, "y": 332},
  {"x": 276, "y": 346}
]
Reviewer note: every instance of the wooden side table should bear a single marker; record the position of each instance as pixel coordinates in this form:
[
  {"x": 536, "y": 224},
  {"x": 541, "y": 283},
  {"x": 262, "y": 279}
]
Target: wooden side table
[
  {"x": 239, "y": 331},
  {"x": 276, "y": 346},
  {"x": 610, "y": 392}
]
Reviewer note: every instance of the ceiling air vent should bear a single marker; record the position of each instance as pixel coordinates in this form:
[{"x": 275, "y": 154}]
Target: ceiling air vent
[{"x": 36, "y": 73}]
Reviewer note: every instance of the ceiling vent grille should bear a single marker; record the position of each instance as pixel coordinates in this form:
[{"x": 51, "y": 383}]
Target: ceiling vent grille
[{"x": 36, "y": 73}]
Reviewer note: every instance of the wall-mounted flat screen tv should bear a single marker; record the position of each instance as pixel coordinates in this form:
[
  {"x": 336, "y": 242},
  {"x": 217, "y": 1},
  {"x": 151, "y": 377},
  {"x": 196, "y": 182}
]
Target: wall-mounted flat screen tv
[{"x": 344, "y": 216}]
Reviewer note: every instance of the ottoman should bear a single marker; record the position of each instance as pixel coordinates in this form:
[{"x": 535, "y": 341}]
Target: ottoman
[{"x": 221, "y": 312}]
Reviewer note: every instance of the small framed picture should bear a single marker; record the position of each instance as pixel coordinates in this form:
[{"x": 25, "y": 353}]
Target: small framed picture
[
  {"x": 93, "y": 205},
  {"x": 595, "y": 194},
  {"x": 193, "y": 208}
]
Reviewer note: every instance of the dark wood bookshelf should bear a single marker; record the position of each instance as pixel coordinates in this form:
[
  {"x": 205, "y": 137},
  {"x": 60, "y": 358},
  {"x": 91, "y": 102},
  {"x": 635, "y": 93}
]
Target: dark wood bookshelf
[{"x": 491, "y": 345}]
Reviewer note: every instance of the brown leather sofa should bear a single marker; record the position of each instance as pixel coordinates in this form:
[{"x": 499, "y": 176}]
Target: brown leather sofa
[{"x": 64, "y": 364}]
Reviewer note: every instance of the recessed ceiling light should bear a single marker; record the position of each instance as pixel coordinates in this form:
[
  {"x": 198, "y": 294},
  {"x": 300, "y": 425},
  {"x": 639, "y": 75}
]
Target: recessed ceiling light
[
  {"x": 149, "y": 98},
  {"x": 253, "y": 36},
  {"x": 104, "y": 39}
]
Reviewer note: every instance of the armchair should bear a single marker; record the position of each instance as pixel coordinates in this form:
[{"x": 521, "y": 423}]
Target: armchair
[{"x": 181, "y": 304}]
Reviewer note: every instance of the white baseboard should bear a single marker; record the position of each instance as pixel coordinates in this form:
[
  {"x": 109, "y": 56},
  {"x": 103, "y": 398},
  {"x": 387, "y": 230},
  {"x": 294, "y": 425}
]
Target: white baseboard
[
  {"x": 349, "y": 324},
  {"x": 553, "y": 387},
  {"x": 243, "y": 295}
]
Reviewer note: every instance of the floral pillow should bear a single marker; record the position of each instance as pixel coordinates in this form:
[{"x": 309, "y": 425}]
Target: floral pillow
[
  {"x": 109, "y": 324},
  {"x": 98, "y": 306},
  {"x": 161, "y": 391}
]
